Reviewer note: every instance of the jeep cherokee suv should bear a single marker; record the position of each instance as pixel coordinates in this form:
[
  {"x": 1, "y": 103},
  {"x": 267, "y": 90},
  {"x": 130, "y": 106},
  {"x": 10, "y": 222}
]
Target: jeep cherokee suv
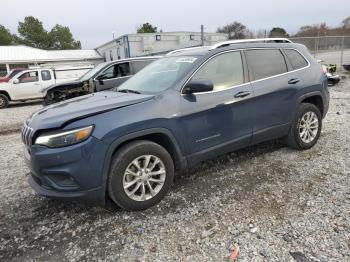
[{"x": 184, "y": 108}]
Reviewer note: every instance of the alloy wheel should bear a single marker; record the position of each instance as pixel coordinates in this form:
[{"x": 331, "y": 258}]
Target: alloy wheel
[
  {"x": 308, "y": 127},
  {"x": 144, "y": 177}
]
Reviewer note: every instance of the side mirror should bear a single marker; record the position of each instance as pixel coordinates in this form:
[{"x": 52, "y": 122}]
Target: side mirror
[
  {"x": 198, "y": 86},
  {"x": 16, "y": 81}
]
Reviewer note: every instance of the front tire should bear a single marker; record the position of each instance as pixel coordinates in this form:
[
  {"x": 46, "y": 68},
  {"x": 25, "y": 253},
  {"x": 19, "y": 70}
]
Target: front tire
[
  {"x": 306, "y": 127},
  {"x": 4, "y": 101},
  {"x": 141, "y": 174}
]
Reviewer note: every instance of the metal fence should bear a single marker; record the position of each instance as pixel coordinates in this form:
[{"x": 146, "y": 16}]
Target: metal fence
[{"x": 329, "y": 49}]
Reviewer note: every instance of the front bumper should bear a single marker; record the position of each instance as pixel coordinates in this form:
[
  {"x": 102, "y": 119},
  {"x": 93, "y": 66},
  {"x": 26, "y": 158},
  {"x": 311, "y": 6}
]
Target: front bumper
[
  {"x": 72, "y": 173},
  {"x": 93, "y": 195}
]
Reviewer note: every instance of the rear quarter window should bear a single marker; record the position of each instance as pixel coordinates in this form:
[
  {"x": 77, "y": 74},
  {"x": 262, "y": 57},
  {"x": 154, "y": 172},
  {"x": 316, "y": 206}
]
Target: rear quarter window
[
  {"x": 296, "y": 60},
  {"x": 264, "y": 63}
]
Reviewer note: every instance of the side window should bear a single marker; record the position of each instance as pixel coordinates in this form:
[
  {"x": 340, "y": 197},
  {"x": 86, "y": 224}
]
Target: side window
[
  {"x": 45, "y": 75},
  {"x": 295, "y": 58},
  {"x": 123, "y": 69},
  {"x": 265, "y": 63},
  {"x": 224, "y": 71},
  {"x": 29, "y": 77},
  {"x": 138, "y": 65},
  {"x": 108, "y": 73}
]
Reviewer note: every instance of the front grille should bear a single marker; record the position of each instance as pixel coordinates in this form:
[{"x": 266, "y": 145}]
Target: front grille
[{"x": 27, "y": 135}]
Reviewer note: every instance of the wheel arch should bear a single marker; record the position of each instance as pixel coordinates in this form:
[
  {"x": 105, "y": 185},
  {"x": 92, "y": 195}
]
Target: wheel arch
[
  {"x": 6, "y": 94},
  {"x": 314, "y": 98},
  {"x": 161, "y": 136}
]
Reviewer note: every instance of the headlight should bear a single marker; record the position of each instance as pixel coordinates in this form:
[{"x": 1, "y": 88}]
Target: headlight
[{"x": 65, "y": 138}]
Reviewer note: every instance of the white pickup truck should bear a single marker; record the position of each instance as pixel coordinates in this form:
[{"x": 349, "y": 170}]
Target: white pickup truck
[{"x": 28, "y": 84}]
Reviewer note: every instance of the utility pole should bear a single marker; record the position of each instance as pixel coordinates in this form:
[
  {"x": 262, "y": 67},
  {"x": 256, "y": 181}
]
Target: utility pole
[{"x": 202, "y": 35}]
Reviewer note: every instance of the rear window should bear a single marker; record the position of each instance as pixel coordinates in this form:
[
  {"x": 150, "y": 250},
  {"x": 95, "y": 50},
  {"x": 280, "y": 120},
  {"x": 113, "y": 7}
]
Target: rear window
[
  {"x": 295, "y": 58},
  {"x": 265, "y": 63},
  {"x": 45, "y": 75}
]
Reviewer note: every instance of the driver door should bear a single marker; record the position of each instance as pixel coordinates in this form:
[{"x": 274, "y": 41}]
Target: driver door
[
  {"x": 221, "y": 120},
  {"x": 113, "y": 76},
  {"x": 27, "y": 85}
]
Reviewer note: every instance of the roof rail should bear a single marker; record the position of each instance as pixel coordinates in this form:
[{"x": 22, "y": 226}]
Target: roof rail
[
  {"x": 184, "y": 49},
  {"x": 239, "y": 41}
]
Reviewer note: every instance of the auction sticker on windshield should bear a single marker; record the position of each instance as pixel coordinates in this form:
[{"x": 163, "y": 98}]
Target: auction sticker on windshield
[{"x": 186, "y": 60}]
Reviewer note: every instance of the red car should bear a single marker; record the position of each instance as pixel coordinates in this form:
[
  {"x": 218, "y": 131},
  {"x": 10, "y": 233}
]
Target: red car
[{"x": 12, "y": 73}]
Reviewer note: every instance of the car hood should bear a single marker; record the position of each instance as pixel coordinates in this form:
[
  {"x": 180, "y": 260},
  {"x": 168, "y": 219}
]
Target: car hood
[{"x": 57, "y": 115}]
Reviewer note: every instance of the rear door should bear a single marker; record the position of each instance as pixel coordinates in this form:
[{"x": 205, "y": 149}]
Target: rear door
[
  {"x": 274, "y": 89},
  {"x": 222, "y": 118},
  {"x": 113, "y": 76}
]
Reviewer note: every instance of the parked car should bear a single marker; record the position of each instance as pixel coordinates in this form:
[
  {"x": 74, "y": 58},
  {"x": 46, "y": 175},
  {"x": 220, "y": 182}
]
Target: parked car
[
  {"x": 11, "y": 74},
  {"x": 187, "y": 107},
  {"x": 27, "y": 84},
  {"x": 104, "y": 76}
]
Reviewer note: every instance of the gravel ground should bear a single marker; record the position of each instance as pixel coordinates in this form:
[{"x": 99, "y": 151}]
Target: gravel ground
[
  {"x": 12, "y": 118},
  {"x": 270, "y": 202}
]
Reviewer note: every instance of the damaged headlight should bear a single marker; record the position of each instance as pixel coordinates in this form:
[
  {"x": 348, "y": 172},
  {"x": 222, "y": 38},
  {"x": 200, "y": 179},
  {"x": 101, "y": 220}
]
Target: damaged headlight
[{"x": 64, "y": 138}]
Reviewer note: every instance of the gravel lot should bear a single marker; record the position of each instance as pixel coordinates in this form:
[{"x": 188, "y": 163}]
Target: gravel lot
[{"x": 271, "y": 202}]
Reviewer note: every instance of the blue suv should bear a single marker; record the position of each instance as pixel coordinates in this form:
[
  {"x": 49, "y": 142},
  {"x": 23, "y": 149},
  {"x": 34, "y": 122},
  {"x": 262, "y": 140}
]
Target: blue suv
[{"x": 188, "y": 106}]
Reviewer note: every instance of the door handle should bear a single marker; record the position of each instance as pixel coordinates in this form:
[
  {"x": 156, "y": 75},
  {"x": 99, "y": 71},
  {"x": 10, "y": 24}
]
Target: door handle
[
  {"x": 37, "y": 84},
  {"x": 293, "y": 81},
  {"x": 242, "y": 94}
]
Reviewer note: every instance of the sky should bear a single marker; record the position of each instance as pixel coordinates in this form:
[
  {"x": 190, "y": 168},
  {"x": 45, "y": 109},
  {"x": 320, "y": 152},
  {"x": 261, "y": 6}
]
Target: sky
[{"x": 93, "y": 22}]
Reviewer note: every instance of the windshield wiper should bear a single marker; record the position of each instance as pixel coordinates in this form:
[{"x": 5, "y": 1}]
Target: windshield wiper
[{"x": 129, "y": 91}]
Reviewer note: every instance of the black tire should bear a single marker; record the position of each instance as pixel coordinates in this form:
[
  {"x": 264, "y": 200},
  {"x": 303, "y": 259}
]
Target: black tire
[
  {"x": 294, "y": 139},
  {"x": 121, "y": 160},
  {"x": 4, "y": 101}
]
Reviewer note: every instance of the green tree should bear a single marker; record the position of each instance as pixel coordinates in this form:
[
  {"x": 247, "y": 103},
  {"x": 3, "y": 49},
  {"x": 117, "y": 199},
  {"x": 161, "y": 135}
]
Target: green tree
[
  {"x": 278, "y": 32},
  {"x": 146, "y": 28},
  {"x": 5, "y": 36},
  {"x": 32, "y": 33},
  {"x": 62, "y": 38},
  {"x": 235, "y": 30}
]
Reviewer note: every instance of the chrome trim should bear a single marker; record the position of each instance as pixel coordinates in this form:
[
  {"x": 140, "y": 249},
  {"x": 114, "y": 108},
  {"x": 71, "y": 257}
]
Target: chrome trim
[
  {"x": 27, "y": 135},
  {"x": 249, "y": 82}
]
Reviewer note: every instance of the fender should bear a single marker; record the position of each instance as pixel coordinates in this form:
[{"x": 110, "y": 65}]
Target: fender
[
  {"x": 6, "y": 94},
  {"x": 134, "y": 135},
  {"x": 307, "y": 95}
]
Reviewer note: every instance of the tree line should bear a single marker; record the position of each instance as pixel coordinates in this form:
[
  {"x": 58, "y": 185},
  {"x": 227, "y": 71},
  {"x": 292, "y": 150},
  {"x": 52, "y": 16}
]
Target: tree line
[
  {"x": 31, "y": 32},
  {"x": 237, "y": 30}
]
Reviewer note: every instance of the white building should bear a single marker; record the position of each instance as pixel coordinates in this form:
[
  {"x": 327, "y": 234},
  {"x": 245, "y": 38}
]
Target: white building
[
  {"x": 24, "y": 56},
  {"x": 133, "y": 45}
]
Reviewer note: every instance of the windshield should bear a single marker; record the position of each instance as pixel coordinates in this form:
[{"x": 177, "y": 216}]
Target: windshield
[
  {"x": 159, "y": 75},
  {"x": 92, "y": 72}
]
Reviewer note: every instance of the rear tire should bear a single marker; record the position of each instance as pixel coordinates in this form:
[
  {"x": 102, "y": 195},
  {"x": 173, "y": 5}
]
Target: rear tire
[
  {"x": 4, "y": 101},
  {"x": 141, "y": 174},
  {"x": 306, "y": 127}
]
